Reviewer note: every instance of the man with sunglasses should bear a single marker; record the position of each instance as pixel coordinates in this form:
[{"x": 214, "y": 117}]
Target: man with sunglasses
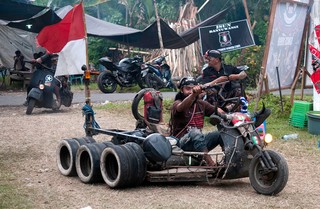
[
  {"x": 218, "y": 72},
  {"x": 187, "y": 120}
]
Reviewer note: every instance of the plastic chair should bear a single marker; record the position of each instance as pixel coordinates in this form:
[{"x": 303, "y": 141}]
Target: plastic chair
[{"x": 76, "y": 79}]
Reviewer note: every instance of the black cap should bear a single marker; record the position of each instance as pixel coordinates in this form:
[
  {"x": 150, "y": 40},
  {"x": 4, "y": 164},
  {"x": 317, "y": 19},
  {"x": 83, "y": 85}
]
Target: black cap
[
  {"x": 213, "y": 53},
  {"x": 187, "y": 81}
]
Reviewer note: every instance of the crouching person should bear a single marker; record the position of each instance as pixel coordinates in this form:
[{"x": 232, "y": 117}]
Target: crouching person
[{"x": 187, "y": 120}]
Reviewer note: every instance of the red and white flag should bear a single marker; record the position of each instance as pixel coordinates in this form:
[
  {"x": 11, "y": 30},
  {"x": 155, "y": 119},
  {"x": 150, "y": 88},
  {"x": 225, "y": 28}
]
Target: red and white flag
[
  {"x": 317, "y": 29},
  {"x": 67, "y": 38},
  {"x": 315, "y": 77},
  {"x": 314, "y": 51}
]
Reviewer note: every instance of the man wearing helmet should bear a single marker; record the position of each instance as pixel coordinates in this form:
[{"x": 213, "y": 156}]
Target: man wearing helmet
[
  {"x": 218, "y": 72},
  {"x": 187, "y": 119}
]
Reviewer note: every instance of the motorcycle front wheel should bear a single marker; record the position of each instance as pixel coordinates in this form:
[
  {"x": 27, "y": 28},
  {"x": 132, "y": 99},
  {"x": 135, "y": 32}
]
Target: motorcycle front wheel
[
  {"x": 269, "y": 183},
  {"x": 31, "y": 104},
  {"x": 106, "y": 82}
]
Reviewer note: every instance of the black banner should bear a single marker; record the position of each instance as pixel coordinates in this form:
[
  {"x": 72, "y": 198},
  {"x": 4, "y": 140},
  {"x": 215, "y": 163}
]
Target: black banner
[{"x": 226, "y": 37}]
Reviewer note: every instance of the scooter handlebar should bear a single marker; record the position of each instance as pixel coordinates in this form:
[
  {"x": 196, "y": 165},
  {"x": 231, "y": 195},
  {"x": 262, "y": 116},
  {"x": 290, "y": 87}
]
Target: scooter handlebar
[
  {"x": 203, "y": 87},
  {"x": 35, "y": 62}
]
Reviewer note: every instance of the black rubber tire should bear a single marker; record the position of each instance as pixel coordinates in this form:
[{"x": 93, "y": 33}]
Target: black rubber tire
[
  {"x": 133, "y": 165},
  {"x": 114, "y": 167},
  {"x": 273, "y": 182},
  {"x": 88, "y": 162},
  {"x": 141, "y": 161},
  {"x": 135, "y": 103},
  {"x": 31, "y": 104},
  {"x": 105, "y": 80},
  {"x": 85, "y": 140},
  {"x": 66, "y": 154}
]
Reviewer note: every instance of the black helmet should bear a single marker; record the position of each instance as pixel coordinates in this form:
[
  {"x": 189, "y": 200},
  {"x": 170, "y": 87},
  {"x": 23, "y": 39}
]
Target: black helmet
[
  {"x": 187, "y": 81},
  {"x": 213, "y": 53}
]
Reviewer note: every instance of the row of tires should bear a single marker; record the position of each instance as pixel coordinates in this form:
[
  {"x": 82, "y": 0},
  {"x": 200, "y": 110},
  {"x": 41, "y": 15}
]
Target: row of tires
[{"x": 117, "y": 165}]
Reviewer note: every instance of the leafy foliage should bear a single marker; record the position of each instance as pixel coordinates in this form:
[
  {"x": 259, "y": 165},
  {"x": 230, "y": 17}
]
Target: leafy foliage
[
  {"x": 252, "y": 57},
  {"x": 98, "y": 47}
]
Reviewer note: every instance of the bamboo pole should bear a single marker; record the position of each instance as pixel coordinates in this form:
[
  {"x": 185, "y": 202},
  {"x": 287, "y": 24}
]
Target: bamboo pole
[
  {"x": 247, "y": 12},
  {"x": 293, "y": 87},
  {"x": 266, "y": 52},
  {"x": 158, "y": 24},
  {"x": 87, "y": 88},
  {"x": 303, "y": 82}
]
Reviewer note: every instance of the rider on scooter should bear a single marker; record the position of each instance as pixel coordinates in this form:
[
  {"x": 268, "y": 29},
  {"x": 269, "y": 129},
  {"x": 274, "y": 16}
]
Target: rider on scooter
[
  {"x": 46, "y": 60},
  {"x": 187, "y": 120}
]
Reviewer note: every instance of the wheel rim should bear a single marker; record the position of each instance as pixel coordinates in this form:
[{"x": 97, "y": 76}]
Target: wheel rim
[
  {"x": 108, "y": 84},
  {"x": 264, "y": 179}
]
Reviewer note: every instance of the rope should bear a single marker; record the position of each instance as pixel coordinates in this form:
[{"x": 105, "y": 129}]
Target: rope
[{"x": 88, "y": 111}]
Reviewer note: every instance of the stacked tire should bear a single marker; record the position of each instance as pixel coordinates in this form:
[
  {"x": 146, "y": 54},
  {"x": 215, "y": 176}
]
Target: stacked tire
[
  {"x": 118, "y": 165},
  {"x": 66, "y": 154},
  {"x": 123, "y": 165},
  {"x": 88, "y": 161}
]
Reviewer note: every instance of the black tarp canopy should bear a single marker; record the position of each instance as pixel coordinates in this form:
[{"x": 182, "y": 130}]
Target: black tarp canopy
[
  {"x": 22, "y": 16},
  {"x": 12, "y": 10},
  {"x": 19, "y": 15},
  {"x": 147, "y": 38}
]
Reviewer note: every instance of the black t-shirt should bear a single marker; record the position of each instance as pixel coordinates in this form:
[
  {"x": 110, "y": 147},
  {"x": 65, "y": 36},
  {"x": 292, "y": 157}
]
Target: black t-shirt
[{"x": 210, "y": 74}]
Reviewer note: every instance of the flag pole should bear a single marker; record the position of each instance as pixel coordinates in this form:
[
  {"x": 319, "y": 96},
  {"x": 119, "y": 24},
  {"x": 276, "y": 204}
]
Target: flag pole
[
  {"x": 85, "y": 68},
  {"x": 87, "y": 109}
]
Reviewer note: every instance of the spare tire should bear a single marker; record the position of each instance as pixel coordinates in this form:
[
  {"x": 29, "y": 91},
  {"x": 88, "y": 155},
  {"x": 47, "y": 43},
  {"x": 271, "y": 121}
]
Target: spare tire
[
  {"x": 88, "y": 162},
  {"x": 66, "y": 154},
  {"x": 141, "y": 163},
  {"x": 135, "y": 104},
  {"x": 114, "y": 167}
]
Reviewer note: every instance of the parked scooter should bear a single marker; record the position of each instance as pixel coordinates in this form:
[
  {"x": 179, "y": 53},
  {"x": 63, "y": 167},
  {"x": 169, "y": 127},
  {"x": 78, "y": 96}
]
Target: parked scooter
[
  {"x": 43, "y": 89},
  {"x": 158, "y": 74},
  {"x": 126, "y": 74}
]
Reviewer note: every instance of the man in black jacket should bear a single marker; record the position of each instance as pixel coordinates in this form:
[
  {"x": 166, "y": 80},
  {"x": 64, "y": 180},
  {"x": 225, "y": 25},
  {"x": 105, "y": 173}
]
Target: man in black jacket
[{"x": 218, "y": 72}]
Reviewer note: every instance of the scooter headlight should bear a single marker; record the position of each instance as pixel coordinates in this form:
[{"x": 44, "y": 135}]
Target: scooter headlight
[
  {"x": 41, "y": 86},
  {"x": 268, "y": 138}
]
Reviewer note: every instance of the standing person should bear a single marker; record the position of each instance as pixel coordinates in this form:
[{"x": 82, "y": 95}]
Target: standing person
[
  {"x": 19, "y": 61},
  {"x": 187, "y": 120},
  {"x": 218, "y": 72}
]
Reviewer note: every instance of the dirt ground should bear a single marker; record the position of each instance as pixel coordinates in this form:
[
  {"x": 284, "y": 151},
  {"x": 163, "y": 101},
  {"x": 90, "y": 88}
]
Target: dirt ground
[{"x": 28, "y": 160}]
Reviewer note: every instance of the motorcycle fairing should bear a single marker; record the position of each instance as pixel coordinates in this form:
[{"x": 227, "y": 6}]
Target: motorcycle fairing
[
  {"x": 44, "y": 97},
  {"x": 107, "y": 63},
  {"x": 36, "y": 94},
  {"x": 48, "y": 80},
  {"x": 238, "y": 158}
]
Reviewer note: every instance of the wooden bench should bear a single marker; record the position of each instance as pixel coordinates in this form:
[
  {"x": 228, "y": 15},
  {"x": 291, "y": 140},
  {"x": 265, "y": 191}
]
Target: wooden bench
[
  {"x": 16, "y": 78},
  {"x": 23, "y": 77}
]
